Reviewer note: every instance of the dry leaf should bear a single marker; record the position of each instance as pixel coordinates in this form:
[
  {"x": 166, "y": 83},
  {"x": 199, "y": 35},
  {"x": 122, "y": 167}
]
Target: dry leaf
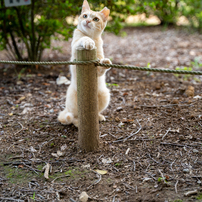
[
  {"x": 47, "y": 168},
  {"x": 101, "y": 172},
  {"x": 59, "y": 153}
]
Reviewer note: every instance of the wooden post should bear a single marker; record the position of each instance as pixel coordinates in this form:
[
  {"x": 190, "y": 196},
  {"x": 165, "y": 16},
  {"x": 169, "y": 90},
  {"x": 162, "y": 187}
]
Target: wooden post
[{"x": 87, "y": 95}]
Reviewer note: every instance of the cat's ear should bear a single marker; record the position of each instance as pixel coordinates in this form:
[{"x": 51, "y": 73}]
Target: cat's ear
[
  {"x": 105, "y": 13},
  {"x": 85, "y": 6}
]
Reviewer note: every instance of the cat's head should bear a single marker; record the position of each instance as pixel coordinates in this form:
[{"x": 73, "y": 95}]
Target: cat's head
[{"x": 92, "y": 23}]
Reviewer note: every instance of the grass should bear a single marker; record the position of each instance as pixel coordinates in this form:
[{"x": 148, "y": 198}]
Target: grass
[
  {"x": 199, "y": 197},
  {"x": 18, "y": 175}
]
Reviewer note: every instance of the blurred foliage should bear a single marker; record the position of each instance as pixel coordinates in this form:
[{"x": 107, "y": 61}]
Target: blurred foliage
[
  {"x": 31, "y": 28},
  {"x": 166, "y": 10},
  {"x": 192, "y": 10}
]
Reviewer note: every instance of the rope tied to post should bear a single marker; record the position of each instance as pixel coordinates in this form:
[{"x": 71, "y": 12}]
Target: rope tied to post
[{"x": 97, "y": 63}]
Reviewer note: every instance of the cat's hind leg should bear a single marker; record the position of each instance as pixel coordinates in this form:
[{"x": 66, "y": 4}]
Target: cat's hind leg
[
  {"x": 65, "y": 117},
  {"x": 103, "y": 102}
]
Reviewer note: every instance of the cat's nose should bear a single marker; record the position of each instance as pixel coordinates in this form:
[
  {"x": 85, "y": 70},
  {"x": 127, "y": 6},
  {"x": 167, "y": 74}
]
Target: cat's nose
[{"x": 88, "y": 21}]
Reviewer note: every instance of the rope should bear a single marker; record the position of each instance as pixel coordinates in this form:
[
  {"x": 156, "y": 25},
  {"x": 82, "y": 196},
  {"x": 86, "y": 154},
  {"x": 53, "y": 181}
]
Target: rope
[
  {"x": 49, "y": 62},
  {"x": 96, "y": 62}
]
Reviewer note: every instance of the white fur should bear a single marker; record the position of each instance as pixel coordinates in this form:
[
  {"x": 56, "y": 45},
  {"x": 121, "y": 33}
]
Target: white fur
[{"x": 88, "y": 36}]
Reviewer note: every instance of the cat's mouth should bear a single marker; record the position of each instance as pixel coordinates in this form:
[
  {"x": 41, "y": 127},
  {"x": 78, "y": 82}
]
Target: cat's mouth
[{"x": 87, "y": 26}]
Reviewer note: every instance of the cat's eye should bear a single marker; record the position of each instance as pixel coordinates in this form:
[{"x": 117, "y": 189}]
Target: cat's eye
[
  {"x": 96, "y": 19},
  {"x": 85, "y": 16}
]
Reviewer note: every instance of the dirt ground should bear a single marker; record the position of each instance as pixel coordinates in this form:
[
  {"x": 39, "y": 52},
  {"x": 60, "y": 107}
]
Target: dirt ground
[{"x": 151, "y": 142}]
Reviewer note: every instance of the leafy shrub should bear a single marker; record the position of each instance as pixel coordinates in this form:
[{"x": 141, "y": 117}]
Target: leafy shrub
[
  {"x": 31, "y": 27},
  {"x": 192, "y": 10},
  {"x": 166, "y": 10}
]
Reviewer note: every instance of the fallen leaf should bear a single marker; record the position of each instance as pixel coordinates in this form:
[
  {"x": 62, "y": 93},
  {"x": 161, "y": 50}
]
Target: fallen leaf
[
  {"x": 55, "y": 155},
  {"x": 101, "y": 172},
  {"x": 59, "y": 153},
  {"x": 47, "y": 169}
]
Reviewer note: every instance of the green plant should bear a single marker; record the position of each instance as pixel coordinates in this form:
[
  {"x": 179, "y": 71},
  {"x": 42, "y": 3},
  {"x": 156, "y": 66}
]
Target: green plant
[
  {"x": 52, "y": 144},
  {"x": 178, "y": 200},
  {"x": 33, "y": 197},
  {"x": 21, "y": 72},
  {"x": 161, "y": 179},
  {"x": 112, "y": 84},
  {"x": 197, "y": 63},
  {"x": 184, "y": 76},
  {"x": 199, "y": 197}
]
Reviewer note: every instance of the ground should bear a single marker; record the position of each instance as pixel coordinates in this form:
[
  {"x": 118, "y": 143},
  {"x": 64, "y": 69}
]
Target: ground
[{"x": 151, "y": 142}]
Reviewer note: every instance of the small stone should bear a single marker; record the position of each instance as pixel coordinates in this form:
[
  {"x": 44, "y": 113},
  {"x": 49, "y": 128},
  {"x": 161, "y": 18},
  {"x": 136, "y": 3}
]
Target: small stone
[
  {"x": 119, "y": 109},
  {"x": 117, "y": 119},
  {"x": 181, "y": 137},
  {"x": 190, "y": 91},
  {"x": 195, "y": 151},
  {"x": 124, "y": 120},
  {"x": 186, "y": 170},
  {"x": 121, "y": 124},
  {"x": 83, "y": 197},
  {"x": 51, "y": 110},
  {"x": 175, "y": 101}
]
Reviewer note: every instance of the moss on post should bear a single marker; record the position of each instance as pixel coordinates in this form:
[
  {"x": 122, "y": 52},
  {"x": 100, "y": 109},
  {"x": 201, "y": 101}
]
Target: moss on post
[{"x": 87, "y": 101}]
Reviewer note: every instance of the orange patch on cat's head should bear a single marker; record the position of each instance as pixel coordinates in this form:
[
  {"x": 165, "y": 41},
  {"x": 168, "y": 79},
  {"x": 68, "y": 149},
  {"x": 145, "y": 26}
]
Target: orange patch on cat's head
[{"x": 105, "y": 13}]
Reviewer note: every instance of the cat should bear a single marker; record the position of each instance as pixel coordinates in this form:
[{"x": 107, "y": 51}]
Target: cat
[{"x": 90, "y": 26}]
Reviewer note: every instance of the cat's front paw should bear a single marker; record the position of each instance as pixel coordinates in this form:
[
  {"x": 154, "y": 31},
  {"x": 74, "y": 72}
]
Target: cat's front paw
[
  {"x": 106, "y": 61},
  {"x": 88, "y": 44}
]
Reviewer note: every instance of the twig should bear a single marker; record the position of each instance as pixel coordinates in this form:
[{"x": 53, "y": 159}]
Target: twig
[
  {"x": 180, "y": 145},
  {"x": 113, "y": 200},
  {"x": 16, "y": 163},
  {"x": 128, "y": 186},
  {"x": 22, "y": 128},
  {"x": 166, "y": 133},
  {"x": 152, "y": 158},
  {"x": 170, "y": 105},
  {"x": 11, "y": 199},
  {"x": 172, "y": 164},
  {"x": 134, "y": 166},
  {"x": 31, "y": 168},
  {"x": 97, "y": 181},
  {"x": 176, "y": 186},
  {"x": 132, "y": 134},
  {"x": 59, "y": 177},
  {"x": 44, "y": 143},
  {"x": 72, "y": 200}
]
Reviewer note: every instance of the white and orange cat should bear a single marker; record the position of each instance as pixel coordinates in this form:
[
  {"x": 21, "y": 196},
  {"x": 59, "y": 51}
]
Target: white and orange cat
[{"x": 87, "y": 35}]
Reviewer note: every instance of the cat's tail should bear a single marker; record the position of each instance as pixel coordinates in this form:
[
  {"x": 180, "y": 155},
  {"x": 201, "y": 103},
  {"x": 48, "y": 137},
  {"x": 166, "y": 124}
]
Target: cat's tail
[{"x": 65, "y": 117}]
